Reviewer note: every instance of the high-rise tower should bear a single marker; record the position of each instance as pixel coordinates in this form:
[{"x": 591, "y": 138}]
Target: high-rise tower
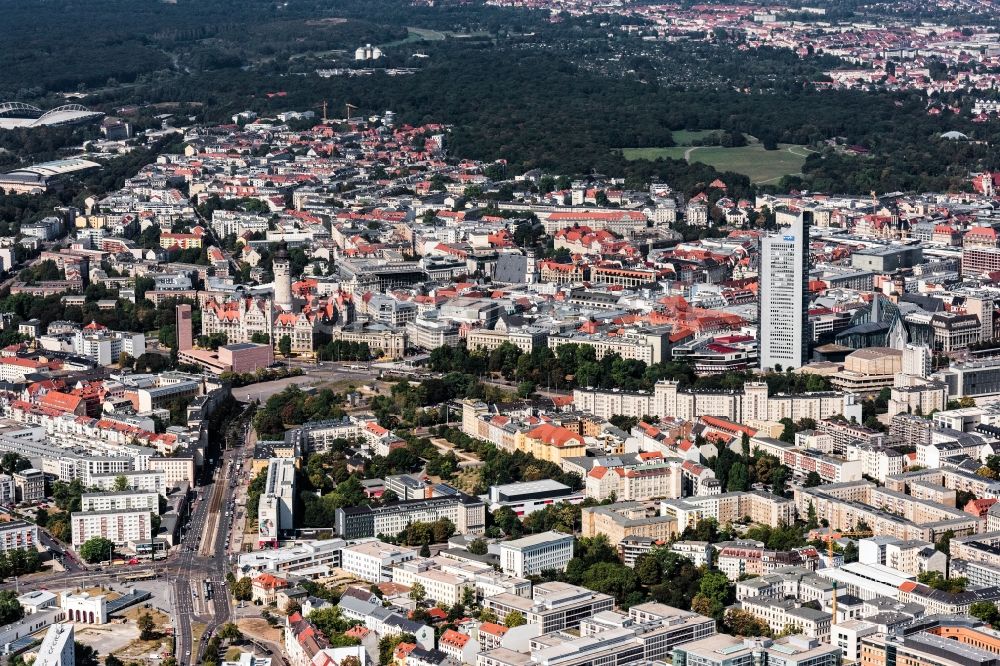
[{"x": 783, "y": 324}]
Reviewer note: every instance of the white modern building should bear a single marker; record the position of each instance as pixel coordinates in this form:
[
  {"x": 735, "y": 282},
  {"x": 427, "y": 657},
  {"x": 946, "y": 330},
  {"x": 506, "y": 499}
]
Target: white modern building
[
  {"x": 276, "y": 511},
  {"x": 784, "y": 294},
  {"x": 106, "y": 346},
  {"x": 304, "y": 559},
  {"x": 373, "y": 560},
  {"x": 121, "y": 527},
  {"x": 58, "y": 647},
  {"x": 154, "y": 481},
  {"x": 847, "y": 636},
  {"x": 120, "y": 501},
  {"x": 536, "y": 553},
  {"x": 18, "y": 535}
]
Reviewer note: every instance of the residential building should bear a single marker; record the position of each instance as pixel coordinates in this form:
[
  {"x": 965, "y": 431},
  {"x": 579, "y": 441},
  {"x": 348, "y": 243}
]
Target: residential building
[
  {"x": 783, "y": 614},
  {"x": 8, "y": 489},
  {"x": 752, "y": 403},
  {"x": 18, "y": 535},
  {"x": 386, "y": 622},
  {"x": 120, "y": 526},
  {"x": 551, "y": 443},
  {"x": 58, "y": 648},
  {"x": 121, "y": 501},
  {"x": 264, "y": 588}
]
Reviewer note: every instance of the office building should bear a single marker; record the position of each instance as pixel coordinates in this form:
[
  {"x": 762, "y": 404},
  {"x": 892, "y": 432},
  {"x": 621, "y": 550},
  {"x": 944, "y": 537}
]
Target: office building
[
  {"x": 536, "y": 553},
  {"x": 527, "y": 497},
  {"x": 947, "y": 642},
  {"x": 553, "y": 606},
  {"x": 646, "y": 635},
  {"x": 628, "y": 520},
  {"x": 783, "y": 300},
  {"x": 847, "y": 636},
  {"x": 276, "y": 511},
  {"x": 725, "y": 650},
  {"x": 373, "y": 560},
  {"x": 185, "y": 334},
  {"x": 30, "y": 484},
  {"x": 780, "y": 614},
  {"x": 466, "y": 512},
  {"x": 311, "y": 559}
]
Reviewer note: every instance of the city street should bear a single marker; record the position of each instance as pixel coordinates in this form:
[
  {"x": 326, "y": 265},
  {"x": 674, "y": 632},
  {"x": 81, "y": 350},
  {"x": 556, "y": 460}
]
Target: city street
[{"x": 201, "y": 557}]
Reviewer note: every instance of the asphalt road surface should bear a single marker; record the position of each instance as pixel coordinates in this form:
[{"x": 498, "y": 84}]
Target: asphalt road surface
[{"x": 187, "y": 568}]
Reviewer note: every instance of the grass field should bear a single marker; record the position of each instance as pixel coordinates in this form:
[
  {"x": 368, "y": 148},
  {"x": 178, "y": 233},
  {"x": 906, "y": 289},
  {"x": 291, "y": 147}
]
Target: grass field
[
  {"x": 427, "y": 35},
  {"x": 760, "y": 165}
]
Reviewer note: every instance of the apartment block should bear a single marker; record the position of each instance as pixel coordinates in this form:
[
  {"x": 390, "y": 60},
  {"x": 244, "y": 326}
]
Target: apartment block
[
  {"x": 120, "y": 501},
  {"x": 18, "y": 535},
  {"x": 121, "y": 527}
]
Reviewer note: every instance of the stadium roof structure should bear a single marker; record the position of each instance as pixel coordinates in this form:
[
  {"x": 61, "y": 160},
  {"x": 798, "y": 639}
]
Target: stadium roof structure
[
  {"x": 19, "y": 114},
  {"x": 58, "y": 167}
]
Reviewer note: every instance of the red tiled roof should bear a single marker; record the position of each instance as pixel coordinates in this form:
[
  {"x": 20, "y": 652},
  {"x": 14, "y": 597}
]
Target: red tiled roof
[{"x": 555, "y": 435}]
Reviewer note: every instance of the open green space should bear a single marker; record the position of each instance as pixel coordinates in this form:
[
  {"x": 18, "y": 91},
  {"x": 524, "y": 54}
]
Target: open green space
[
  {"x": 426, "y": 34},
  {"x": 760, "y": 165}
]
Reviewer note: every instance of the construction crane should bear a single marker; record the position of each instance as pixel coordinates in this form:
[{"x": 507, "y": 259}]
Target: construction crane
[
  {"x": 347, "y": 107},
  {"x": 322, "y": 106}
]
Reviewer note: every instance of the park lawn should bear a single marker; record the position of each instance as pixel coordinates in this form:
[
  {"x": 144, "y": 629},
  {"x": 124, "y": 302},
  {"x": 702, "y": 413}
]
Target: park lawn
[
  {"x": 426, "y": 34},
  {"x": 760, "y": 165}
]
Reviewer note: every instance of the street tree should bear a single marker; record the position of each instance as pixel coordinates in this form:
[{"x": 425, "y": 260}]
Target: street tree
[{"x": 96, "y": 549}]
